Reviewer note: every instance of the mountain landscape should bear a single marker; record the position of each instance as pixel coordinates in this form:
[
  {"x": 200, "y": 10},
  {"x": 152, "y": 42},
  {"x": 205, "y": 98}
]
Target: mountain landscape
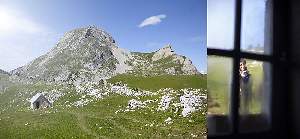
[
  {"x": 99, "y": 90},
  {"x": 93, "y": 54}
]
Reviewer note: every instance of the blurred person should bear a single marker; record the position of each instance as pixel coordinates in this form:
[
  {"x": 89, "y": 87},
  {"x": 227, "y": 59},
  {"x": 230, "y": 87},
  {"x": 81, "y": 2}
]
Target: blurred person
[{"x": 245, "y": 87}]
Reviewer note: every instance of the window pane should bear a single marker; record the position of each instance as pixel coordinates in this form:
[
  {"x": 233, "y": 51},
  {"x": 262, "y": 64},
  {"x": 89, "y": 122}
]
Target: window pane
[
  {"x": 220, "y": 24},
  {"x": 256, "y": 26},
  {"x": 255, "y": 81},
  {"x": 219, "y": 85}
]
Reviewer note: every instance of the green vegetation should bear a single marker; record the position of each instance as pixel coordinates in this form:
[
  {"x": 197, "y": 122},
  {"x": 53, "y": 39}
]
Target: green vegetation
[
  {"x": 154, "y": 83},
  {"x": 145, "y": 56},
  {"x": 144, "y": 66},
  {"x": 99, "y": 119},
  {"x": 40, "y": 124},
  {"x": 166, "y": 63},
  {"x": 85, "y": 106}
]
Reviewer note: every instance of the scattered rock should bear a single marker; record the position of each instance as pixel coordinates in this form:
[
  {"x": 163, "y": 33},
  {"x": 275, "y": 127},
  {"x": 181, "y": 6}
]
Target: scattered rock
[
  {"x": 164, "y": 102},
  {"x": 168, "y": 120},
  {"x": 134, "y": 104},
  {"x": 191, "y": 102}
]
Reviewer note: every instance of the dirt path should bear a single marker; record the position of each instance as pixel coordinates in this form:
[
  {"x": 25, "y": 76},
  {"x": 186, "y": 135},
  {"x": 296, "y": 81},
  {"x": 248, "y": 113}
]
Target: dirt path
[{"x": 82, "y": 124}]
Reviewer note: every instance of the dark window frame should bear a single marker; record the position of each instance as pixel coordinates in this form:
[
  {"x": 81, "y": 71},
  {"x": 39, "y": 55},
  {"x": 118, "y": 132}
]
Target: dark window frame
[{"x": 279, "y": 62}]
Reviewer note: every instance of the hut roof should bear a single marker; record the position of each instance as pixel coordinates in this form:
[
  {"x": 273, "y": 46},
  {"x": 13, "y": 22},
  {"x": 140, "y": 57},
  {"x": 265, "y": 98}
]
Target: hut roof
[{"x": 35, "y": 97}]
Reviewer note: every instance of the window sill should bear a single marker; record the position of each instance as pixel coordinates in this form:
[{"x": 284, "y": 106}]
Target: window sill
[{"x": 219, "y": 125}]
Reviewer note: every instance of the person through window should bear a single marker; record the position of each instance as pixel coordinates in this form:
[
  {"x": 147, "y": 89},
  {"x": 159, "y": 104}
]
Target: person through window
[{"x": 245, "y": 87}]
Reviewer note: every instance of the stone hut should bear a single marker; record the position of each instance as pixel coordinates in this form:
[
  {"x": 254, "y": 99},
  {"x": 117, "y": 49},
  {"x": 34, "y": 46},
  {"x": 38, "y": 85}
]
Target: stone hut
[{"x": 39, "y": 101}]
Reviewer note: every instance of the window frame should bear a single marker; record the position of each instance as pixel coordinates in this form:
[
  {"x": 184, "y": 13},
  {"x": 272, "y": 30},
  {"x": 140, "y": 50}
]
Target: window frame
[{"x": 278, "y": 60}]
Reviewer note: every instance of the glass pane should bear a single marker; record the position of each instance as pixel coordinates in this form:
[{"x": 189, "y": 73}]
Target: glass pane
[
  {"x": 255, "y": 81},
  {"x": 220, "y": 24},
  {"x": 256, "y": 26},
  {"x": 219, "y": 86}
]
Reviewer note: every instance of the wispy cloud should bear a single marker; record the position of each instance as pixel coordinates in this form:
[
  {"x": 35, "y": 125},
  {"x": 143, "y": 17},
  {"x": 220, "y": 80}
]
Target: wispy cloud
[{"x": 152, "y": 20}]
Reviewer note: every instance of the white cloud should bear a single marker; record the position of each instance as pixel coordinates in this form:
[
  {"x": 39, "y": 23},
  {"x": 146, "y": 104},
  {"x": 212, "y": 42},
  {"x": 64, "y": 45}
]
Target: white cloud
[
  {"x": 22, "y": 39},
  {"x": 153, "y": 20},
  {"x": 12, "y": 22}
]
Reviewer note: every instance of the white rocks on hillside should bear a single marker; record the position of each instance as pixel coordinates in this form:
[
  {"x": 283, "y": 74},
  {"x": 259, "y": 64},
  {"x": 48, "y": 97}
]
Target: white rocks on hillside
[
  {"x": 127, "y": 91},
  {"x": 170, "y": 71},
  {"x": 168, "y": 120},
  {"x": 191, "y": 102},
  {"x": 54, "y": 95},
  {"x": 164, "y": 102},
  {"x": 134, "y": 104}
]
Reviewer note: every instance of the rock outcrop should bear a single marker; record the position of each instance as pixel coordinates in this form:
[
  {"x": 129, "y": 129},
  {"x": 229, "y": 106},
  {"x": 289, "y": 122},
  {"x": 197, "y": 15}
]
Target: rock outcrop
[
  {"x": 187, "y": 66},
  {"x": 163, "y": 53}
]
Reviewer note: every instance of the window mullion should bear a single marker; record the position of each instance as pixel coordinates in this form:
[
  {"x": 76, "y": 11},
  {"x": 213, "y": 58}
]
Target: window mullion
[
  {"x": 234, "y": 107},
  {"x": 230, "y": 53}
]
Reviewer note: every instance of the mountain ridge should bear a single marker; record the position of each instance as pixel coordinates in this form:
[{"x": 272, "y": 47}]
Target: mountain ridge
[
  {"x": 3, "y": 72},
  {"x": 91, "y": 54}
]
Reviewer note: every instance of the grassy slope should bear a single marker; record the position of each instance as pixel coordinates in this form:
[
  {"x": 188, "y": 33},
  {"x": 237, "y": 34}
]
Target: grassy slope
[
  {"x": 218, "y": 83},
  {"x": 145, "y": 65},
  {"x": 154, "y": 83},
  {"x": 98, "y": 119}
]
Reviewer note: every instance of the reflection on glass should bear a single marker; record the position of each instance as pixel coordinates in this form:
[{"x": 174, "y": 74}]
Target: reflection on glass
[
  {"x": 218, "y": 83},
  {"x": 255, "y": 83},
  {"x": 256, "y": 26},
  {"x": 220, "y": 24}
]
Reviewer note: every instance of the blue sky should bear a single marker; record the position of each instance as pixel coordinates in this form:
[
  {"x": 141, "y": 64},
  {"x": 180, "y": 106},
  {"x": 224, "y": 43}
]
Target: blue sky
[
  {"x": 31, "y": 28},
  {"x": 220, "y": 23}
]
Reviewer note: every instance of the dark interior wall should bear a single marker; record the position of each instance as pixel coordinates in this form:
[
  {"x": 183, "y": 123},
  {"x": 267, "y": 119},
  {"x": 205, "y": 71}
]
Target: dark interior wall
[
  {"x": 280, "y": 41},
  {"x": 295, "y": 101},
  {"x": 295, "y": 32},
  {"x": 295, "y": 66}
]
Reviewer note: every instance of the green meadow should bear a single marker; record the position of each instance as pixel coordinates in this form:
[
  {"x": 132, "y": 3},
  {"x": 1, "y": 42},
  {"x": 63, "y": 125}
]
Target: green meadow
[
  {"x": 154, "y": 83},
  {"x": 99, "y": 119}
]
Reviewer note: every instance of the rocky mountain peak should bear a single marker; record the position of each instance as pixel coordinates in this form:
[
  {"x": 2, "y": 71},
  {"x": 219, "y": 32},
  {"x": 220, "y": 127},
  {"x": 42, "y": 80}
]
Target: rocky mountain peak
[
  {"x": 89, "y": 53},
  {"x": 80, "y": 36},
  {"x": 167, "y": 51},
  {"x": 94, "y": 32},
  {"x": 168, "y": 47},
  {"x": 163, "y": 52}
]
